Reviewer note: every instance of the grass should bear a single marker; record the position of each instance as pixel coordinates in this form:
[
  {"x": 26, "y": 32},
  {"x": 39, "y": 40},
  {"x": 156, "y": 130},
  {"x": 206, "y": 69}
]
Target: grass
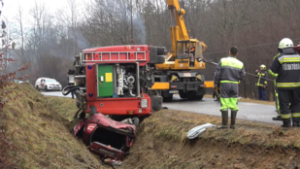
[
  {"x": 162, "y": 143},
  {"x": 37, "y": 126},
  {"x": 173, "y": 125},
  {"x": 40, "y": 135}
]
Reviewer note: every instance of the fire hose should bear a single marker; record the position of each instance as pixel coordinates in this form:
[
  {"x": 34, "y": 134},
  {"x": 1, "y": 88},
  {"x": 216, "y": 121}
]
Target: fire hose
[
  {"x": 251, "y": 74},
  {"x": 68, "y": 89}
]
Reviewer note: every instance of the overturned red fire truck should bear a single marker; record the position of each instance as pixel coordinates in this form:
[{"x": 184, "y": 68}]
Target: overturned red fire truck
[
  {"x": 115, "y": 85},
  {"x": 117, "y": 80}
]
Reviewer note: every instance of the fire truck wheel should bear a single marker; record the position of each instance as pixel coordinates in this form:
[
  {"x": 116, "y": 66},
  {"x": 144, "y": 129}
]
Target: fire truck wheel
[
  {"x": 136, "y": 121},
  {"x": 156, "y": 103}
]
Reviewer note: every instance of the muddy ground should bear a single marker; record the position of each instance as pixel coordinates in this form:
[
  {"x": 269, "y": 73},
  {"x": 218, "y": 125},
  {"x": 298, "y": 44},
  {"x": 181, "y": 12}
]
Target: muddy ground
[{"x": 38, "y": 127}]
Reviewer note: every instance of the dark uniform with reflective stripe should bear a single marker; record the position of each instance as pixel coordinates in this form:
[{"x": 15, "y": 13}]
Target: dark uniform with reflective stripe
[
  {"x": 286, "y": 67},
  {"x": 261, "y": 83},
  {"x": 229, "y": 72}
]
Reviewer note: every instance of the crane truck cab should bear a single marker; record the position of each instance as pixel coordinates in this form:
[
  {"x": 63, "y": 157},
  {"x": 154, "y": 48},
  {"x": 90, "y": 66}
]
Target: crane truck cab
[{"x": 183, "y": 56}]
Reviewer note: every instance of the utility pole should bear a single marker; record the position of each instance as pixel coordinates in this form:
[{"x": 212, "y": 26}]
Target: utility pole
[{"x": 132, "y": 41}]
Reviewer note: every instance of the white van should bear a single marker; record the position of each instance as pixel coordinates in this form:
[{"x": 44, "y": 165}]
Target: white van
[{"x": 44, "y": 83}]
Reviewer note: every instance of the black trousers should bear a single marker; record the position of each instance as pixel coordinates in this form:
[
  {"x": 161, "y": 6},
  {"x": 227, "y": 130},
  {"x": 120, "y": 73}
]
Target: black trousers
[{"x": 286, "y": 97}]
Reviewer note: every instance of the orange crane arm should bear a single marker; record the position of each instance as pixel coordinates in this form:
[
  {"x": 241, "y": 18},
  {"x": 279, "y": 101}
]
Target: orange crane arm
[{"x": 178, "y": 29}]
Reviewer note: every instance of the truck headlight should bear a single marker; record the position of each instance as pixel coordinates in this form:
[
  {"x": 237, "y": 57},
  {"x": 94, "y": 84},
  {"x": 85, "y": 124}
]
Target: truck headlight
[{"x": 144, "y": 103}]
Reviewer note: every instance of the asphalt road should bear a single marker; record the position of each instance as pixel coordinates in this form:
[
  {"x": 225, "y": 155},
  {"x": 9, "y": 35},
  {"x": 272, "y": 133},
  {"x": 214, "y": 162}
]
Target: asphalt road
[
  {"x": 56, "y": 93},
  {"x": 248, "y": 111}
]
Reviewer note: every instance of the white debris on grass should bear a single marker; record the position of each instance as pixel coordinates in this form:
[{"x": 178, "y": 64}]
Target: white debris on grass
[{"x": 196, "y": 131}]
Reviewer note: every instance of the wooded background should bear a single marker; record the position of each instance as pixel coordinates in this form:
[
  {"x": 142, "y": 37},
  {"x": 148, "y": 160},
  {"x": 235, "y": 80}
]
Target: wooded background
[{"x": 254, "y": 26}]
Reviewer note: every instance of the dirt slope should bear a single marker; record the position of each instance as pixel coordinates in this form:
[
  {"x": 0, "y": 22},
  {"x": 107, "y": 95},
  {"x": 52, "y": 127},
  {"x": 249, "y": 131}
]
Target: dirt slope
[
  {"x": 39, "y": 135},
  {"x": 37, "y": 126},
  {"x": 161, "y": 144}
]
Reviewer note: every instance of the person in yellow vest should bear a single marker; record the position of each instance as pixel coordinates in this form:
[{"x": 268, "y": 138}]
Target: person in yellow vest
[
  {"x": 229, "y": 72},
  {"x": 262, "y": 82}
]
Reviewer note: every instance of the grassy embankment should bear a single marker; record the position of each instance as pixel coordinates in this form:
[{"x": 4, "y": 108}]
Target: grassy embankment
[{"x": 37, "y": 126}]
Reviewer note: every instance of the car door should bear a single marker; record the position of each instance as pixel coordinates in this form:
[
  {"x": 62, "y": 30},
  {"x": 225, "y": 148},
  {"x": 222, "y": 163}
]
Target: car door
[{"x": 42, "y": 83}]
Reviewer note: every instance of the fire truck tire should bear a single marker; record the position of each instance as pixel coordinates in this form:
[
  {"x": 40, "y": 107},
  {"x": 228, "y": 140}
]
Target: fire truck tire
[
  {"x": 136, "y": 121},
  {"x": 182, "y": 94},
  {"x": 156, "y": 103}
]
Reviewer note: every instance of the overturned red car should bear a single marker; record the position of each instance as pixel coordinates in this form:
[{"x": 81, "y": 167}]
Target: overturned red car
[{"x": 106, "y": 137}]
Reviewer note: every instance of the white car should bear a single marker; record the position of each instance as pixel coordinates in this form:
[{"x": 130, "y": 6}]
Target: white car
[{"x": 47, "y": 84}]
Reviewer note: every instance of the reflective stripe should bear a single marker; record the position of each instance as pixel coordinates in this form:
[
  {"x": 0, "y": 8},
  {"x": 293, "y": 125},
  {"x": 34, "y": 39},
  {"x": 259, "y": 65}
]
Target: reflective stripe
[
  {"x": 288, "y": 85},
  {"x": 273, "y": 74},
  {"x": 231, "y": 62},
  {"x": 285, "y": 116},
  {"x": 257, "y": 84},
  {"x": 295, "y": 114},
  {"x": 289, "y": 58},
  {"x": 229, "y": 81},
  {"x": 276, "y": 56}
]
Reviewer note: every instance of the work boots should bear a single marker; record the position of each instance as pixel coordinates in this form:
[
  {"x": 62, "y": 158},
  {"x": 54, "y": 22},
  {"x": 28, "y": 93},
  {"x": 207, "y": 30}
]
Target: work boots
[
  {"x": 286, "y": 123},
  {"x": 233, "y": 117},
  {"x": 277, "y": 118},
  {"x": 224, "y": 120},
  {"x": 296, "y": 124}
]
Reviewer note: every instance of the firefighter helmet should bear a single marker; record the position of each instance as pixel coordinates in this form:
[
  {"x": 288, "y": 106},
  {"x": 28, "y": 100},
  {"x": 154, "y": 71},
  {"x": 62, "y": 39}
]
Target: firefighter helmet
[
  {"x": 285, "y": 43},
  {"x": 263, "y": 67}
]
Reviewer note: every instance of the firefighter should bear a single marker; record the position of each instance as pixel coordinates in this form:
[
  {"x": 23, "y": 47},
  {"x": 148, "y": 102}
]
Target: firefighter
[
  {"x": 262, "y": 82},
  {"x": 229, "y": 72},
  {"x": 286, "y": 68}
]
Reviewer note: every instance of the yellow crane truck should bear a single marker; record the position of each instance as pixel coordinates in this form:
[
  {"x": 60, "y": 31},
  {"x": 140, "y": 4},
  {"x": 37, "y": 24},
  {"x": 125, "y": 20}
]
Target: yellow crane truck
[{"x": 181, "y": 71}]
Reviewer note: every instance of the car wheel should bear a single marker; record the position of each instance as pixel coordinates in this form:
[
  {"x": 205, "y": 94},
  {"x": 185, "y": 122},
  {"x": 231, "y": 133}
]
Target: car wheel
[
  {"x": 46, "y": 88},
  {"x": 37, "y": 88}
]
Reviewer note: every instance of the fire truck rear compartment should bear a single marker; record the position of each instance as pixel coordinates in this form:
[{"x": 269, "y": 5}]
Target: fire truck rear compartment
[{"x": 117, "y": 80}]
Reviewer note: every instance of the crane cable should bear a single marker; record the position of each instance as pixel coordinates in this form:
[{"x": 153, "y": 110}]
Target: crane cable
[{"x": 251, "y": 74}]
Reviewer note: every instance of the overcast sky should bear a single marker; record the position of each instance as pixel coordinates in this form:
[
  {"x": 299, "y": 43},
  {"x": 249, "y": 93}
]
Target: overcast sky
[{"x": 11, "y": 6}]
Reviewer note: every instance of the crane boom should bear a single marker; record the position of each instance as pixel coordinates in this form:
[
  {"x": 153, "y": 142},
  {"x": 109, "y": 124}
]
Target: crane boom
[{"x": 178, "y": 28}]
